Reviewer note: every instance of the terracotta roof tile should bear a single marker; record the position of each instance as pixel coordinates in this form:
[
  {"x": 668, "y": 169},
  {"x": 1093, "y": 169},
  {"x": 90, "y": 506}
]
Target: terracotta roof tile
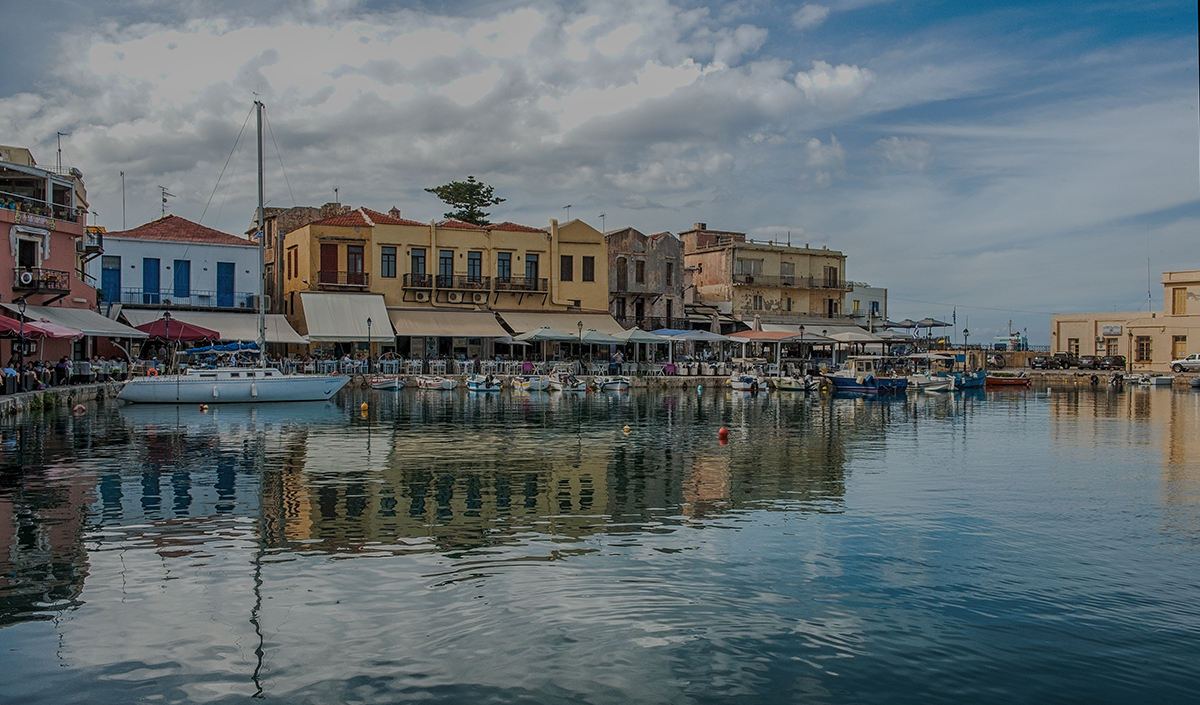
[
  {"x": 177, "y": 229},
  {"x": 458, "y": 224},
  {"x": 385, "y": 219},
  {"x": 516, "y": 228},
  {"x": 351, "y": 219}
]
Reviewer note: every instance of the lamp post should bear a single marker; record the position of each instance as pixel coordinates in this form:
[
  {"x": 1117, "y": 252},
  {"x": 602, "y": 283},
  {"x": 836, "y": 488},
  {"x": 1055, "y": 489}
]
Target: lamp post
[
  {"x": 802, "y": 356},
  {"x": 369, "y": 346},
  {"x": 966, "y": 335},
  {"x": 580, "y": 324},
  {"x": 1130, "y": 355},
  {"x": 21, "y": 349}
]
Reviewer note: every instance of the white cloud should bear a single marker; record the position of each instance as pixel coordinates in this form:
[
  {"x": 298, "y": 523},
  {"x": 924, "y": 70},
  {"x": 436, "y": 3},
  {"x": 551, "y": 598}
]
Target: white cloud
[
  {"x": 827, "y": 85},
  {"x": 904, "y": 152},
  {"x": 810, "y": 16}
]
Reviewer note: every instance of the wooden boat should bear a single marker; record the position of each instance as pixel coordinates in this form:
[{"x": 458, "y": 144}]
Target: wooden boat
[
  {"x": 1014, "y": 381},
  {"x": 483, "y": 383},
  {"x": 432, "y": 382},
  {"x": 746, "y": 383},
  {"x": 1156, "y": 380},
  {"x": 970, "y": 380},
  {"x": 861, "y": 374},
  {"x": 563, "y": 380},
  {"x": 610, "y": 384},
  {"x": 786, "y": 384},
  {"x": 531, "y": 383},
  {"x": 385, "y": 383}
]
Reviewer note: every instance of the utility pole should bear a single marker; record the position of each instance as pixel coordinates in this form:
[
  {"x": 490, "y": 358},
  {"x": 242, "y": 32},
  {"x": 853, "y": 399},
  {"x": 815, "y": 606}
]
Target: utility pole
[{"x": 123, "y": 226}]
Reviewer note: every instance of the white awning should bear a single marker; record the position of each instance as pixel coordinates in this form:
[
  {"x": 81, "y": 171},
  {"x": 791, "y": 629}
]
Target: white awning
[
  {"x": 241, "y": 327},
  {"x": 566, "y": 321},
  {"x": 342, "y": 318},
  {"x": 84, "y": 320},
  {"x": 448, "y": 323}
]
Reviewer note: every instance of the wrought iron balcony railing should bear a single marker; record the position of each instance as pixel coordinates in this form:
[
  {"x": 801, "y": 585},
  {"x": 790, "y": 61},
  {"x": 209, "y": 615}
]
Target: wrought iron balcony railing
[
  {"x": 36, "y": 279},
  {"x": 522, "y": 284},
  {"x": 328, "y": 278}
]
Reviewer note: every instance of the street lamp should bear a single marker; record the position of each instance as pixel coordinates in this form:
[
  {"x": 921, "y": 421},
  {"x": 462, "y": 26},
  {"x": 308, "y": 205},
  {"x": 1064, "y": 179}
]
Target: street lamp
[
  {"x": 1129, "y": 354},
  {"x": 369, "y": 346},
  {"x": 21, "y": 350},
  {"x": 802, "y": 357}
]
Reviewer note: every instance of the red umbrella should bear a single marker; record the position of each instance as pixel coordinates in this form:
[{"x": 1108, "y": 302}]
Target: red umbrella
[
  {"x": 173, "y": 329},
  {"x": 12, "y": 329}
]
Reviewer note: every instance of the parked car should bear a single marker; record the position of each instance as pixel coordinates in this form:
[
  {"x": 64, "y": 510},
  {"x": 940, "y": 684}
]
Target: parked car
[
  {"x": 1112, "y": 362},
  {"x": 996, "y": 360},
  {"x": 1042, "y": 362},
  {"x": 1088, "y": 362},
  {"x": 1065, "y": 360},
  {"x": 1189, "y": 363}
]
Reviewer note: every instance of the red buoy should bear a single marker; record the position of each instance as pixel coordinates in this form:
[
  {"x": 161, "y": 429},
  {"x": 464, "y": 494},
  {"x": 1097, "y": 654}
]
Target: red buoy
[{"x": 723, "y": 433}]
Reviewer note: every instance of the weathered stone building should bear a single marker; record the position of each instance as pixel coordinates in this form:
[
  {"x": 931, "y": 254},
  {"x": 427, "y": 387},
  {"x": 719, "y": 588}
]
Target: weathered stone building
[{"x": 646, "y": 279}]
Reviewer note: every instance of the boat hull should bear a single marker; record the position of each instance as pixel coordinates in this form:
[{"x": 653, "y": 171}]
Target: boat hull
[
  {"x": 1009, "y": 382},
  {"x": 480, "y": 383},
  {"x": 610, "y": 384},
  {"x": 387, "y": 383},
  {"x": 869, "y": 385},
  {"x": 191, "y": 389},
  {"x": 436, "y": 383},
  {"x": 531, "y": 383}
]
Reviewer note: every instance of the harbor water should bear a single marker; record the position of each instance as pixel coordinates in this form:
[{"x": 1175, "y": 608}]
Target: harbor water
[{"x": 1021, "y": 546}]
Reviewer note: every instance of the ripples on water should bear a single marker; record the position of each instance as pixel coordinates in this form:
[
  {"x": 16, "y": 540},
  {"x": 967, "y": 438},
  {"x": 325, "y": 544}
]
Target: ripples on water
[{"x": 1028, "y": 546}]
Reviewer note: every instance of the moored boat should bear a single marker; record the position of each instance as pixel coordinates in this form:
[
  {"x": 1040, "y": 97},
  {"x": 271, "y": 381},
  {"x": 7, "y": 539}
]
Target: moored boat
[
  {"x": 1015, "y": 381},
  {"x": 862, "y": 374},
  {"x": 531, "y": 383},
  {"x": 746, "y": 383},
  {"x": 610, "y": 383},
  {"x": 1156, "y": 380},
  {"x": 230, "y": 385},
  {"x": 434, "y": 382},
  {"x": 563, "y": 380},
  {"x": 386, "y": 383},
  {"x": 483, "y": 383},
  {"x": 970, "y": 380}
]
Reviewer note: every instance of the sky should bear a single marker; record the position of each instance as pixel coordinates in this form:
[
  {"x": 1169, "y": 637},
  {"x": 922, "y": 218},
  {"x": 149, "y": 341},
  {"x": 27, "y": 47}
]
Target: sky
[{"x": 993, "y": 162}]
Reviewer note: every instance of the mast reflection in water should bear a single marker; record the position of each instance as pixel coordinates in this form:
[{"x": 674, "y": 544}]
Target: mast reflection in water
[{"x": 451, "y": 547}]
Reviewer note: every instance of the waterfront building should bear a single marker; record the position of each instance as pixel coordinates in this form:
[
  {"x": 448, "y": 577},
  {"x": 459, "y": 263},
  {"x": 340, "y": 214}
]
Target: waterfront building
[
  {"x": 1149, "y": 340},
  {"x": 43, "y": 210},
  {"x": 767, "y": 285},
  {"x": 284, "y": 220},
  {"x": 441, "y": 288},
  {"x": 646, "y": 279},
  {"x": 866, "y": 305}
]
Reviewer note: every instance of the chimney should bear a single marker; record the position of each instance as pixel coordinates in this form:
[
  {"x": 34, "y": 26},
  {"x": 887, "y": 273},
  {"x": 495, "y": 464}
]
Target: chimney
[
  {"x": 394, "y": 212},
  {"x": 700, "y": 226}
]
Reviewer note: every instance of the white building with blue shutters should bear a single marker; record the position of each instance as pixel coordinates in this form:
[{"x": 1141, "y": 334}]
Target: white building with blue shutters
[{"x": 173, "y": 262}]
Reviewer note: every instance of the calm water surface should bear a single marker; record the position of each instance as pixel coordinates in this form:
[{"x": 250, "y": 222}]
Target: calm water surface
[{"x": 1020, "y": 546}]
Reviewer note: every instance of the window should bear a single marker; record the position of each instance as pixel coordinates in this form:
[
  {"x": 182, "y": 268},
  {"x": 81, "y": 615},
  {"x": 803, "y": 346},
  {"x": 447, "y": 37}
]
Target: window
[
  {"x": 622, "y": 274},
  {"x": 589, "y": 269},
  {"x": 504, "y": 266},
  {"x": 1178, "y": 347},
  {"x": 329, "y": 263},
  {"x": 874, "y": 308},
  {"x": 787, "y": 273},
  {"x": 639, "y": 272},
  {"x": 619, "y": 308},
  {"x": 789, "y": 303},
  {"x": 757, "y": 303},
  {"x": 670, "y": 313},
  {"x": 531, "y": 268},
  {"x": 669, "y": 275},
  {"x": 855, "y": 309},
  {"x": 418, "y": 260},
  {"x": 831, "y": 277},
  {"x": 1179, "y": 301},
  {"x": 110, "y": 277},
  {"x": 748, "y": 267},
  {"x": 150, "y": 280},
  {"x": 1142, "y": 352},
  {"x": 475, "y": 266},
  {"x": 566, "y": 270},
  {"x": 354, "y": 265},
  {"x": 27, "y": 253},
  {"x": 446, "y": 268},
  {"x": 1073, "y": 346},
  {"x": 387, "y": 262},
  {"x": 183, "y": 278}
]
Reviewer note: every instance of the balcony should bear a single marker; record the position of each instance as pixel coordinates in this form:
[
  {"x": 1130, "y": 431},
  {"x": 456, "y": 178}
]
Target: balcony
[
  {"x": 90, "y": 243},
  {"x": 195, "y": 298},
  {"x": 652, "y": 323},
  {"x": 327, "y": 279},
  {"x": 464, "y": 282},
  {"x": 522, "y": 284},
  {"x": 790, "y": 282},
  {"x": 418, "y": 281},
  {"x": 33, "y": 280},
  {"x": 35, "y": 209}
]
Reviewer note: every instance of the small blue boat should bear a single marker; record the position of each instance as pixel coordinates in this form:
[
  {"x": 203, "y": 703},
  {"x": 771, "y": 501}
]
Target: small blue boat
[
  {"x": 970, "y": 380},
  {"x": 483, "y": 383},
  {"x": 860, "y": 375}
]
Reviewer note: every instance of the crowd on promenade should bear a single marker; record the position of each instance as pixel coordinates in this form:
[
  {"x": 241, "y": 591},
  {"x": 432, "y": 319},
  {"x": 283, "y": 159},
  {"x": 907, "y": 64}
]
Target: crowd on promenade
[{"x": 36, "y": 375}]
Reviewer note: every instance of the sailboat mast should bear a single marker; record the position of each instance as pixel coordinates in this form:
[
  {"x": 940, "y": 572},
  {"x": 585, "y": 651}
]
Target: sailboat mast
[{"x": 262, "y": 244}]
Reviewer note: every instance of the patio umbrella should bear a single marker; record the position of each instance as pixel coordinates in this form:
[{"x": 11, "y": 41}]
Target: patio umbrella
[
  {"x": 637, "y": 335},
  {"x": 545, "y": 333},
  {"x": 592, "y": 336},
  {"x": 906, "y": 323},
  {"x": 177, "y": 330},
  {"x": 932, "y": 323},
  {"x": 12, "y": 329}
]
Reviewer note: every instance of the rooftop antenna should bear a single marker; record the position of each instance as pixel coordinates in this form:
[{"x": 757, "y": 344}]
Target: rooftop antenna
[
  {"x": 336, "y": 198},
  {"x": 123, "y": 227},
  {"x": 568, "y": 207},
  {"x": 60, "y": 136},
  {"x": 165, "y": 195},
  {"x": 789, "y": 238},
  {"x": 601, "y": 223}
]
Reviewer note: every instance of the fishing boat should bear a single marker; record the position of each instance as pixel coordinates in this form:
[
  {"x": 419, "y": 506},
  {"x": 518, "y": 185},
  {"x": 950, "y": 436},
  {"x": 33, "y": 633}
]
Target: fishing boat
[
  {"x": 1019, "y": 380},
  {"x": 386, "y": 383},
  {"x": 970, "y": 380},
  {"x": 483, "y": 383},
  {"x": 531, "y": 383},
  {"x": 563, "y": 379},
  {"x": 746, "y": 382},
  {"x": 793, "y": 384},
  {"x": 1156, "y": 380},
  {"x": 863, "y": 374},
  {"x": 434, "y": 382},
  {"x": 610, "y": 383},
  {"x": 230, "y": 383}
]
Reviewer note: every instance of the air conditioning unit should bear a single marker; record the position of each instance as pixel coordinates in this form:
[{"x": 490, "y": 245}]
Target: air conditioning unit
[
  {"x": 479, "y": 297},
  {"x": 422, "y": 296},
  {"x": 1099, "y": 339},
  {"x": 455, "y": 297}
]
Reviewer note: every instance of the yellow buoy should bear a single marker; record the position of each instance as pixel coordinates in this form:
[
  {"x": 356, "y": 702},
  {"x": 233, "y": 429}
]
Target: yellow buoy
[
  {"x": 364, "y": 406},
  {"x": 627, "y": 429}
]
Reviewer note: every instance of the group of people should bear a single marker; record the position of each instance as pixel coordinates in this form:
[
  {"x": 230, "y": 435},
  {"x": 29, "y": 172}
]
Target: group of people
[{"x": 40, "y": 374}]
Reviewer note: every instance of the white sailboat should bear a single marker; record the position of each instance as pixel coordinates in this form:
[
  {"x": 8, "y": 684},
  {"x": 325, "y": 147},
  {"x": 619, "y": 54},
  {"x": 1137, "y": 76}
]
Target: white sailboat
[{"x": 236, "y": 384}]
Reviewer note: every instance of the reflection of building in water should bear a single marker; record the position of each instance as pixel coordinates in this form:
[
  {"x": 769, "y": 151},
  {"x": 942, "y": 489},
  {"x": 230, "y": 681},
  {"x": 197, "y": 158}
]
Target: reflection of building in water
[
  {"x": 42, "y": 559},
  {"x": 1159, "y": 420}
]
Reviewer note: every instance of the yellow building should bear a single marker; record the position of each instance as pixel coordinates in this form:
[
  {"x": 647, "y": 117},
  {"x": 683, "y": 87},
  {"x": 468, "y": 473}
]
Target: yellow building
[
  {"x": 1149, "y": 340},
  {"x": 440, "y": 285}
]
